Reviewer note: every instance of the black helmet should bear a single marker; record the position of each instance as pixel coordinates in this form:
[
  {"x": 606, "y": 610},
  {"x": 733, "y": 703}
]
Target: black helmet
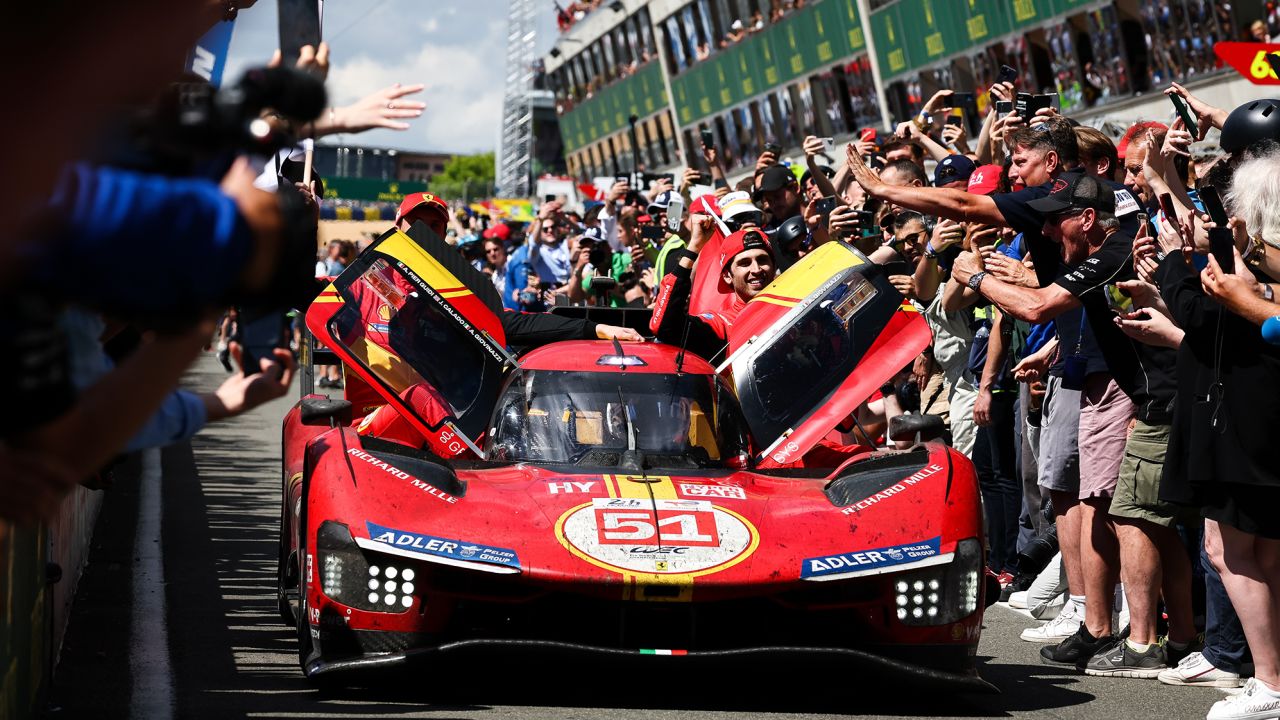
[
  {"x": 790, "y": 231},
  {"x": 1255, "y": 120}
]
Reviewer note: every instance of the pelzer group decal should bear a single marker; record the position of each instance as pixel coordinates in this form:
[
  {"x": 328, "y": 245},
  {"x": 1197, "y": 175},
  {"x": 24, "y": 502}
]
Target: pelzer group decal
[{"x": 868, "y": 562}]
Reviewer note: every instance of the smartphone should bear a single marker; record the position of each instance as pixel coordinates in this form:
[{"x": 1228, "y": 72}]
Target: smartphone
[
  {"x": 773, "y": 147},
  {"x": 259, "y": 333},
  {"x": 868, "y": 135},
  {"x": 622, "y": 179},
  {"x": 1213, "y": 205},
  {"x": 962, "y": 99},
  {"x": 896, "y": 267},
  {"x": 1167, "y": 207},
  {"x": 548, "y": 198},
  {"x": 1021, "y": 103},
  {"x": 1038, "y": 102},
  {"x": 955, "y": 120},
  {"x": 675, "y": 213},
  {"x": 1007, "y": 75},
  {"x": 828, "y": 144},
  {"x": 1004, "y": 107},
  {"x": 1185, "y": 113},
  {"x": 708, "y": 139},
  {"x": 1117, "y": 299},
  {"x": 866, "y": 218},
  {"x": 299, "y": 26},
  {"x": 652, "y": 232},
  {"x": 1222, "y": 247},
  {"x": 825, "y": 205},
  {"x": 704, "y": 178}
]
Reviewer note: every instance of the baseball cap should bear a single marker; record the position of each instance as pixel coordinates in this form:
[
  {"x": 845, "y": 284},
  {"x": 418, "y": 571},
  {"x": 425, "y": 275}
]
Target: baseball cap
[
  {"x": 412, "y": 201},
  {"x": 1076, "y": 190},
  {"x": 826, "y": 170},
  {"x": 985, "y": 180},
  {"x": 738, "y": 243},
  {"x": 735, "y": 204},
  {"x": 774, "y": 177},
  {"x": 952, "y": 168},
  {"x": 501, "y": 231},
  {"x": 706, "y": 205},
  {"x": 660, "y": 202},
  {"x": 736, "y": 25},
  {"x": 592, "y": 234}
]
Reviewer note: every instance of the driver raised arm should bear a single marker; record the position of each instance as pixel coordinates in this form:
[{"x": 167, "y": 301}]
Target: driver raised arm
[{"x": 746, "y": 266}]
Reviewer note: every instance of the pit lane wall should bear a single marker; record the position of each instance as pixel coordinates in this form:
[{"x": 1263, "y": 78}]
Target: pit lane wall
[{"x": 35, "y": 603}]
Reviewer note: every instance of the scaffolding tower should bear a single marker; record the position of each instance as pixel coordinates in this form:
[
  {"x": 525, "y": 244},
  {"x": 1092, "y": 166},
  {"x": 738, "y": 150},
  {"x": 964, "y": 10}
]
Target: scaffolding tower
[{"x": 516, "y": 157}]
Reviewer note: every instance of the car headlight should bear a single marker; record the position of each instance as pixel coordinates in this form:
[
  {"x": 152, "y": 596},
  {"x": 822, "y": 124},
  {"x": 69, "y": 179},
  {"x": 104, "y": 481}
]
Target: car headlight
[
  {"x": 382, "y": 583},
  {"x": 942, "y": 594}
]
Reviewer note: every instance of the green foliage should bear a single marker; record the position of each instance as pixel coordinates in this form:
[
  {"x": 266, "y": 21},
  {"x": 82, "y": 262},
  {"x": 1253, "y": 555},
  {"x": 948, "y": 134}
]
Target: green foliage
[{"x": 465, "y": 175}]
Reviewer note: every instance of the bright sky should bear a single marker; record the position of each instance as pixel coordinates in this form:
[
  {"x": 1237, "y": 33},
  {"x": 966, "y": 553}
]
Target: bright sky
[{"x": 457, "y": 48}]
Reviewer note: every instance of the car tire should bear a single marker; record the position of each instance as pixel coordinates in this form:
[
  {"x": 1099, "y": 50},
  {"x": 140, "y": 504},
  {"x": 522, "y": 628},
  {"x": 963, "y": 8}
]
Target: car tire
[{"x": 283, "y": 565}]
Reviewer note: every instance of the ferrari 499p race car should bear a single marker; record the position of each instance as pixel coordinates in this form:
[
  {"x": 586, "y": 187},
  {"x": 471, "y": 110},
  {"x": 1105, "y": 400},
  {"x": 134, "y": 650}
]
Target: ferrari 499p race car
[{"x": 611, "y": 499}]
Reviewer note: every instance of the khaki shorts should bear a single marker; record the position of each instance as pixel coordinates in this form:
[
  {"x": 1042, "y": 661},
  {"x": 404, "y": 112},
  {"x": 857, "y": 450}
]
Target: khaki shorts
[{"x": 1137, "y": 495}]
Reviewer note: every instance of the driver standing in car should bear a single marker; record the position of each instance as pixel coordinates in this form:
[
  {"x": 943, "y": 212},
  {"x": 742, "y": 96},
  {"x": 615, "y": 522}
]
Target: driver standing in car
[{"x": 746, "y": 266}]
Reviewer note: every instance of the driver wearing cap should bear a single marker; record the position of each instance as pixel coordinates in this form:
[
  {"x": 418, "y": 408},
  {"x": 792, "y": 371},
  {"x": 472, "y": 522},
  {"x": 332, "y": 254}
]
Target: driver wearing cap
[{"x": 746, "y": 266}]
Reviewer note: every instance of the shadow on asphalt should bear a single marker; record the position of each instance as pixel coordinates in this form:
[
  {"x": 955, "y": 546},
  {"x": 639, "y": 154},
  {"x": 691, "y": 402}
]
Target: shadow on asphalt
[
  {"x": 244, "y": 660},
  {"x": 232, "y": 656}
]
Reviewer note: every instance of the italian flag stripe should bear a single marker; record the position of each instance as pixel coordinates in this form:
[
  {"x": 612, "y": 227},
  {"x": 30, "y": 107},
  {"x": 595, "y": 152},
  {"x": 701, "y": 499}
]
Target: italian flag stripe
[{"x": 662, "y": 651}]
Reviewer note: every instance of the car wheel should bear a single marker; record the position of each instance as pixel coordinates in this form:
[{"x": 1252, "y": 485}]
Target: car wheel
[{"x": 287, "y": 571}]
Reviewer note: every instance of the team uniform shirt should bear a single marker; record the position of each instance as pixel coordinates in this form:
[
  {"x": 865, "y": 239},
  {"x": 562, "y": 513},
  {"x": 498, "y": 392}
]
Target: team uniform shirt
[
  {"x": 706, "y": 334},
  {"x": 1144, "y": 372}
]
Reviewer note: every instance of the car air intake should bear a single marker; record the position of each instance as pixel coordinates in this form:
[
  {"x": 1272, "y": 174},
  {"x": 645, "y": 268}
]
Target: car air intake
[{"x": 863, "y": 479}]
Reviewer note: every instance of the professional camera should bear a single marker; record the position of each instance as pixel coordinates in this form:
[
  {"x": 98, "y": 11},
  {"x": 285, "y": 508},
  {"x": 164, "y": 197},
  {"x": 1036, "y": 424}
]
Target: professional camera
[{"x": 196, "y": 129}]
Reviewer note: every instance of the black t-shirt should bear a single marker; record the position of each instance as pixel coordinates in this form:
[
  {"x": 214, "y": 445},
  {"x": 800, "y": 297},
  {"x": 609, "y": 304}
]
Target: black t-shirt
[
  {"x": 1047, "y": 256},
  {"x": 1045, "y": 253},
  {"x": 1144, "y": 372}
]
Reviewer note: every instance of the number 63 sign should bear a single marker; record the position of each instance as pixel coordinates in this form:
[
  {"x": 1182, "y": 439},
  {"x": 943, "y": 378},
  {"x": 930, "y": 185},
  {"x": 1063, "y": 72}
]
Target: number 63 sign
[{"x": 1250, "y": 60}]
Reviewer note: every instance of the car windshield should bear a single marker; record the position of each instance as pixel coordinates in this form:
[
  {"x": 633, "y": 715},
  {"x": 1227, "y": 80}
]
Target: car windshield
[
  {"x": 592, "y": 418},
  {"x": 782, "y": 380}
]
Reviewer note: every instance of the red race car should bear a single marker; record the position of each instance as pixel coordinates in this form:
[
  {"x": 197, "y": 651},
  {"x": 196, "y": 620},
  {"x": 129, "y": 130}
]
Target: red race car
[{"x": 620, "y": 499}]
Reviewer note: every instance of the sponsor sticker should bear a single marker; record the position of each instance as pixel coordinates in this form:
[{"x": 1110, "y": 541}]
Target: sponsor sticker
[
  {"x": 667, "y": 537},
  {"x": 870, "y": 559},
  {"x": 425, "y": 487},
  {"x": 442, "y": 547},
  {"x": 931, "y": 470},
  {"x": 569, "y": 487},
  {"x": 731, "y": 492}
]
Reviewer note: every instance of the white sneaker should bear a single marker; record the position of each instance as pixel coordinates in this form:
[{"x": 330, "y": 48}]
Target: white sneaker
[
  {"x": 1018, "y": 600},
  {"x": 1254, "y": 702},
  {"x": 1058, "y": 629},
  {"x": 1196, "y": 670}
]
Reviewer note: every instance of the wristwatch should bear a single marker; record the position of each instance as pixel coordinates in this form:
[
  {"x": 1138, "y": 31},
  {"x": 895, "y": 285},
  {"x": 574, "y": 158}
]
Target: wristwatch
[{"x": 975, "y": 281}]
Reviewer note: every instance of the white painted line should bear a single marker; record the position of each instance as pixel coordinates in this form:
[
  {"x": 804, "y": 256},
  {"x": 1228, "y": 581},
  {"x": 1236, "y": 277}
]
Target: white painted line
[{"x": 152, "y": 696}]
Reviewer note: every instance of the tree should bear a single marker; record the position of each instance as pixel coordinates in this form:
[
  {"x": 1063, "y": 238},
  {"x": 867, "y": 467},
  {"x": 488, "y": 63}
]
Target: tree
[{"x": 465, "y": 177}]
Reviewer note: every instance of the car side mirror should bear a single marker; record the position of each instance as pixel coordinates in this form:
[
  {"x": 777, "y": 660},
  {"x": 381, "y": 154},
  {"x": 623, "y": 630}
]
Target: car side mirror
[
  {"x": 325, "y": 411},
  {"x": 916, "y": 428}
]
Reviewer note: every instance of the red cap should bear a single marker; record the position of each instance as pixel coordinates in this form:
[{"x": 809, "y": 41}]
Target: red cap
[
  {"x": 412, "y": 201},
  {"x": 1132, "y": 132},
  {"x": 749, "y": 238},
  {"x": 985, "y": 179},
  {"x": 501, "y": 231},
  {"x": 704, "y": 205}
]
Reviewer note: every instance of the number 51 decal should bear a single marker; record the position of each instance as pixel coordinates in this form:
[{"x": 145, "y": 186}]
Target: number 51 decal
[{"x": 679, "y": 523}]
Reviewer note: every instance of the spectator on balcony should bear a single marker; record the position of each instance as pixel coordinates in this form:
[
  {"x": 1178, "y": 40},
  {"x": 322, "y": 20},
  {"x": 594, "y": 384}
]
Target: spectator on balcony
[
  {"x": 735, "y": 34},
  {"x": 703, "y": 51}
]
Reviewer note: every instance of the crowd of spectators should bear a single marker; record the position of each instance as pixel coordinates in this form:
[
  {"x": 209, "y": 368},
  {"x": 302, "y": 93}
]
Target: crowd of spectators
[{"x": 1102, "y": 350}]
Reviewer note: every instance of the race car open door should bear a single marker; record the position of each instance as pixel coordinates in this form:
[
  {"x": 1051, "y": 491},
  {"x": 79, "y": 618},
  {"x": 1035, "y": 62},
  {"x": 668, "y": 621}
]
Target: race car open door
[
  {"x": 816, "y": 343},
  {"x": 431, "y": 344}
]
